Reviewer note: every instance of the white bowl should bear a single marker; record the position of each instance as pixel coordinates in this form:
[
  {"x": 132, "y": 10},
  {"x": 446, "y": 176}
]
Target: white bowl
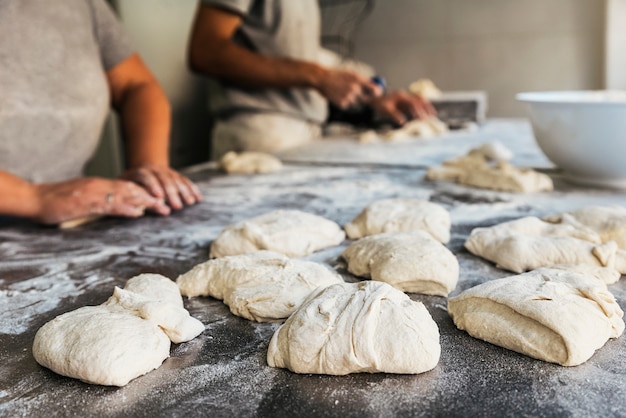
[{"x": 582, "y": 132}]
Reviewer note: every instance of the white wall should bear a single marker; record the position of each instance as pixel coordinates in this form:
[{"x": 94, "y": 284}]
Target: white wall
[
  {"x": 501, "y": 46},
  {"x": 616, "y": 44}
]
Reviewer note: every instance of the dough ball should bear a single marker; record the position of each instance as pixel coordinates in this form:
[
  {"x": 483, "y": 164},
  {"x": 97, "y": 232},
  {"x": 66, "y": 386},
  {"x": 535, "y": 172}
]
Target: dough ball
[
  {"x": 530, "y": 243},
  {"x": 249, "y": 162},
  {"x": 411, "y": 262},
  {"x": 290, "y": 232},
  {"x": 262, "y": 286},
  {"x": 553, "y": 315},
  {"x": 425, "y": 88},
  {"x": 366, "y": 327},
  {"x": 609, "y": 222},
  {"x": 121, "y": 339},
  {"x": 401, "y": 215}
]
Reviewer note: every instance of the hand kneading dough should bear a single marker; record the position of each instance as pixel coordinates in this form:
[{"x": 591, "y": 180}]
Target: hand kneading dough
[
  {"x": 486, "y": 167},
  {"x": 124, "y": 338},
  {"x": 554, "y": 315},
  {"x": 262, "y": 286},
  {"x": 529, "y": 243},
  {"x": 290, "y": 232},
  {"x": 401, "y": 215},
  {"x": 410, "y": 261},
  {"x": 609, "y": 222},
  {"x": 366, "y": 327},
  {"x": 249, "y": 162}
]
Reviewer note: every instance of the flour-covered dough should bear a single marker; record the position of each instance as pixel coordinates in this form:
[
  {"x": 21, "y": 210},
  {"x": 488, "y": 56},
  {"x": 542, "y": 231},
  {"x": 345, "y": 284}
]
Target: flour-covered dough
[
  {"x": 127, "y": 336},
  {"x": 262, "y": 286},
  {"x": 290, "y": 232},
  {"x": 557, "y": 316},
  {"x": 487, "y": 167},
  {"x": 529, "y": 243},
  {"x": 366, "y": 327},
  {"x": 425, "y": 88},
  {"x": 426, "y": 128},
  {"x": 401, "y": 215},
  {"x": 410, "y": 261},
  {"x": 249, "y": 162},
  {"x": 609, "y": 222}
]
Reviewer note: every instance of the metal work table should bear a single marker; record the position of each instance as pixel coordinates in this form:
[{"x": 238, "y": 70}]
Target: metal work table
[{"x": 45, "y": 272}]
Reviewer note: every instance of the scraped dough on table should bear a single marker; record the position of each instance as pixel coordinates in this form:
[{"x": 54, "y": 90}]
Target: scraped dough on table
[
  {"x": 409, "y": 261},
  {"x": 529, "y": 243},
  {"x": 426, "y": 128},
  {"x": 263, "y": 286},
  {"x": 553, "y": 315},
  {"x": 249, "y": 162},
  {"x": 126, "y": 337},
  {"x": 366, "y": 327},
  {"x": 609, "y": 222},
  {"x": 487, "y": 167},
  {"x": 290, "y": 232},
  {"x": 401, "y": 215}
]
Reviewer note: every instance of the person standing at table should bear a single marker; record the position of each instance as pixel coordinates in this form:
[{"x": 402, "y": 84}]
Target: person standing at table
[
  {"x": 63, "y": 64},
  {"x": 268, "y": 91}
]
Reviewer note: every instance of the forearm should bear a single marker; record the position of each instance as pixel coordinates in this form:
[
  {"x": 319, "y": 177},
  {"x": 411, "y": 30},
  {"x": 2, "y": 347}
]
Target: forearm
[
  {"x": 19, "y": 197},
  {"x": 146, "y": 124},
  {"x": 234, "y": 64}
]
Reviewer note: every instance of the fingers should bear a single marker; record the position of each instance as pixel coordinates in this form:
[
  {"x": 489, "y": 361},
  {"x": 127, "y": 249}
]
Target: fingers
[
  {"x": 166, "y": 184},
  {"x": 130, "y": 200}
]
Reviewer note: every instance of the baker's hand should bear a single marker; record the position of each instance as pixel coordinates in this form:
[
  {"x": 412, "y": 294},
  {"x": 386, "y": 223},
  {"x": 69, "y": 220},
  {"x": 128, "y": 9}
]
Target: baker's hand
[
  {"x": 401, "y": 106},
  {"x": 347, "y": 88},
  {"x": 164, "y": 183},
  {"x": 83, "y": 197}
]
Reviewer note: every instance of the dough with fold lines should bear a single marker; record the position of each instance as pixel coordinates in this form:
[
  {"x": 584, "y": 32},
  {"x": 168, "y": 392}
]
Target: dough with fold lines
[
  {"x": 365, "y": 327},
  {"x": 127, "y": 336},
  {"x": 410, "y": 261},
  {"x": 262, "y": 286},
  {"x": 557, "y": 316}
]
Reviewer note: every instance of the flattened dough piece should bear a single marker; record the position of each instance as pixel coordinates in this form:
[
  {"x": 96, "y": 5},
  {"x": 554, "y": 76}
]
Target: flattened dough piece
[
  {"x": 401, "y": 215},
  {"x": 263, "y": 286},
  {"x": 553, "y": 315},
  {"x": 529, "y": 243},
  {"x": 486, "y": 167},
  {"x": 249, "y": 162},
  {"x": 609, "y": 222},
  {"x": 411, "y": 262},
  {"x": 366, "y": 327},
  {"x": 290, "y": 232},
  {"x": 127, "y": 336}
]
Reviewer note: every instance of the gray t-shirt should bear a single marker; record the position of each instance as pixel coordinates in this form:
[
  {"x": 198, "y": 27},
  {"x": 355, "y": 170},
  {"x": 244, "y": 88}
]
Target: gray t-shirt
[
  {"x": 286, "y": 28},
  {"x": 54, "y": 96}
]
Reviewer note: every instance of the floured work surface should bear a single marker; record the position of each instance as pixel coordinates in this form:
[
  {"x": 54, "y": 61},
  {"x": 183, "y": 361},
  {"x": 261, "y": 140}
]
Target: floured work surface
[{"x": 223, "y": 372}]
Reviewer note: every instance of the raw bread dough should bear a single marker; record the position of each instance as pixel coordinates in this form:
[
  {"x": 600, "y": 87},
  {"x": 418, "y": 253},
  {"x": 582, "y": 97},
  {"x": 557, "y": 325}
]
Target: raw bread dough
[
  {"x": 410, "y": 261},
  {"x": 426, "y": 128},
  {"x": 486, "y": 167},
  {"x": 401, "y": 215},
  {"x": 126, "y": 337},
  {"x": 249, "y": 162},
  {"x": 365, "y": 327},
  {"x": 609, "y": 222},
  {"x": 554, "y": 315},
  {"x": 263, "y": 286},
  {"x": 529, "y": 243},
  {"x": 425, "y": 88},
  {"x": 290, "y": 232}
]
